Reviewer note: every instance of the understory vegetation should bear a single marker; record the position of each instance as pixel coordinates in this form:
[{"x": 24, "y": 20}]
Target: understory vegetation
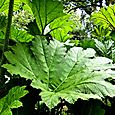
[{"x": 57, "y": 57}]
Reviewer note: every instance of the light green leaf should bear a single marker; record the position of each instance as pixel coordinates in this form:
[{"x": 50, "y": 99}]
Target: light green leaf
[
  {"x": 105, "y": 17},
  {"x": 106, "y": 47},
  {"x": 100, "y": 46},
  {"x": 61, "y": 73},
  {"x": 2, "y": 3},
  {"x": 61, "y": 27},
  {"x": 45, "y": 11},
  {"x": 11, "y": 100},
  {"x": 5, "y": 6},
  {"x": 16, "y": 104},
  {"x": 20, "y": 35}
]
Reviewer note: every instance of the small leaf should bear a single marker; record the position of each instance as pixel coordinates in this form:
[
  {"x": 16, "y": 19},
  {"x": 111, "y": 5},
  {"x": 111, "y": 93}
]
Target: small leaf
[
  {"x": 16, "y": 104},
  {"x": 11, "y": 100}
]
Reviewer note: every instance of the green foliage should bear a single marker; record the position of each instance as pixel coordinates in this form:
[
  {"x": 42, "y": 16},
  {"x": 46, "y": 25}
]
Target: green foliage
[
  {"x": 45, "y": 11},
  {"x": 61, "y": 28},
  {"x": 61, "y": 73},
  {"x": 101, "y": 33},
  {"x": 22, "y": 18},
  {"x": 3, "y": 21},
  {"x": 113, "y": 35},
  {"x": 87, "y": 43},
  {"x": 32, "y": 28},
  {"x": 17, "y": 5},
  {"x": 105, "y": 17},
  {"x": 105, "y": 48},
  {"x": 11, "y": 100},
  {"x": 2, "y": 3},
  {"x": 5, "y": 5},
  {"x": 20, "y": 35}
]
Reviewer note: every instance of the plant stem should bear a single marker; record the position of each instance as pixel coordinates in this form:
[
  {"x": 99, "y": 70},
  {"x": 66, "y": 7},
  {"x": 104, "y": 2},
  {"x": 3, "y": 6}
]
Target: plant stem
[{"x": 6, "y": 40}]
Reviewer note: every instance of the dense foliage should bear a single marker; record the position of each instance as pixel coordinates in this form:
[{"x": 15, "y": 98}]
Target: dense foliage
[{"x": 51, "y": 61}]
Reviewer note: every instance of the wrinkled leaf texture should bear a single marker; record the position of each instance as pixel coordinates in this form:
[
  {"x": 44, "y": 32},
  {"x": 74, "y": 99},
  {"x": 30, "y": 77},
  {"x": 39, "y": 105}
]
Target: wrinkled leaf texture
[
  {"x": 61, "y": 73},
  {"x": 11, "y": 100}
]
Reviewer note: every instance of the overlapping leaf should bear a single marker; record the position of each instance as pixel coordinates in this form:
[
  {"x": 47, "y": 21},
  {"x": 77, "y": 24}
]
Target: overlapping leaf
[
  {"x": 61, "y": 73},
  {"x": 45, "y": 11},
  {"x": 105, "y": 17},
  {"x": 11, "y": 100},
  {"x": 61, "y": 28}
]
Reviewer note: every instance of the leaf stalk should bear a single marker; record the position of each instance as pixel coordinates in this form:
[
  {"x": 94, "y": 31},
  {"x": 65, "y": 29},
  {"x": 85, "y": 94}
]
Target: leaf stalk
[{"x": 6, "y": 40}]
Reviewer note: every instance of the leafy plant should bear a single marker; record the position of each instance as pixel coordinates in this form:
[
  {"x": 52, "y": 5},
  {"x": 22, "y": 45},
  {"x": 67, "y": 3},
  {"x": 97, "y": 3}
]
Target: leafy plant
[
  {"x": 3, "y": 21},
  {"x": 11, "y": 100},
  {"x": 5, "y": 5},
  {"x": 105, "y": 17},
  {"x": 21, "y": 18},
  {"x": 61, "y": 27},
  {"x": 2, "y": 3},
  {"x": 101, "y": 33},
  {"x": 45, "y": 11},
  {"x": 105, "y": 48},
  {"x": 61, "y": 73},
  {"x": 87, "y": 43},
  {"x": 20, "y": 35}
]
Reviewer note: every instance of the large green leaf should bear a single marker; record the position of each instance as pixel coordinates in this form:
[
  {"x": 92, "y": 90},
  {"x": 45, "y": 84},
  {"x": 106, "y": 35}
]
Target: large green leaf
[
  {"x": 45, "y": 11},
  {"x": 105, "y": 17},
  {"x": 61, "y": 73},
  {"x": 11, "y": 100},
  {"x": 61, "y": 27}
]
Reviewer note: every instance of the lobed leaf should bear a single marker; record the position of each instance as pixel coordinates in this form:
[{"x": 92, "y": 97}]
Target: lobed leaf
[
  {"x": 11, "y": 100},
  {"x": 105, "y": 17},
  {"x": 61, "y": 73}
]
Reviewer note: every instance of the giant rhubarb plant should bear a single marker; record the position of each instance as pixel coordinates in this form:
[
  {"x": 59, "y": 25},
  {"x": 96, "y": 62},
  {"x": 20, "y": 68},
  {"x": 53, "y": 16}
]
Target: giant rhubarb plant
[{"x": 60, "y": 72}]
